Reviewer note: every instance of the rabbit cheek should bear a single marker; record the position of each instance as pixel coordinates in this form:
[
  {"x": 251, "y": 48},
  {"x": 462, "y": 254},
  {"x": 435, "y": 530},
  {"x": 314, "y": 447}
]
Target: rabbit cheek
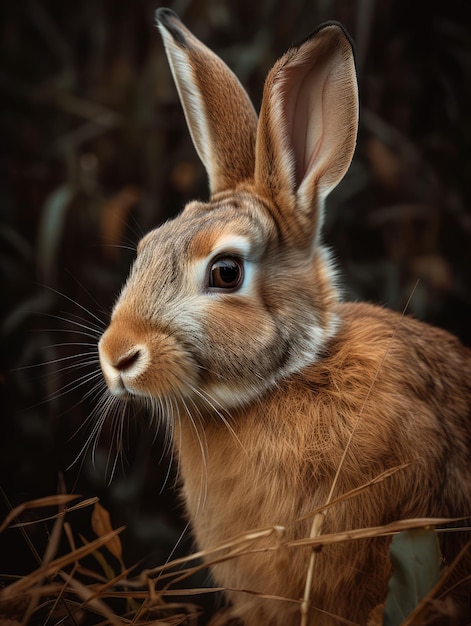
[{"x": 244, "y": 350}]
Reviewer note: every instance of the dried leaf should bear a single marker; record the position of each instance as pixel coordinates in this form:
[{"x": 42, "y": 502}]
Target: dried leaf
[{"x": 101, "y": 525}]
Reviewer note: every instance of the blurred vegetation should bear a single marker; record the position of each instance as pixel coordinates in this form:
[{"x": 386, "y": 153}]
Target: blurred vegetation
[{"x": 95, "y": 152}]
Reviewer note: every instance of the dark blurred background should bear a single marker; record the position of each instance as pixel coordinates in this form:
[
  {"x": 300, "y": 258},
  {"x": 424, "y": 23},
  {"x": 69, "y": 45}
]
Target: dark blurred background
[{"x": 94, "y": 152}]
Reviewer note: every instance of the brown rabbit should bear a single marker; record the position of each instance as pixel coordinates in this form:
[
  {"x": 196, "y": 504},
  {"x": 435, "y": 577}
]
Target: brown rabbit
[{"x": 230, "y": 325}]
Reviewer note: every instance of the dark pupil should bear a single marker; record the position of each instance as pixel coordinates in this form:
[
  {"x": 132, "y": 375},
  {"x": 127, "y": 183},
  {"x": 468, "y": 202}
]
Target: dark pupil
[{"x": 228, "y": 271}]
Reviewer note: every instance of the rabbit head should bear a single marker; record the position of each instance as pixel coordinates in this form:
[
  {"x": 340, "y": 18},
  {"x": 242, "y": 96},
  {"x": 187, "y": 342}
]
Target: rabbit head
[{"x": 238, "y": 292}]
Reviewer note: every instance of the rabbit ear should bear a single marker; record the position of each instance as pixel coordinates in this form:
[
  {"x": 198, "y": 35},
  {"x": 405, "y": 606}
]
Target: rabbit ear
[
  {"x": 308, "y": 124},
  {"x": 218, "y": 111}
]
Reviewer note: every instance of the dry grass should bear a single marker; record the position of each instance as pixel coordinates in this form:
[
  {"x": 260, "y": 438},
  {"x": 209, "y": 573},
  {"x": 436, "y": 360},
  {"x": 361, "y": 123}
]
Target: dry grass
[{"x": 66, "y": 589}]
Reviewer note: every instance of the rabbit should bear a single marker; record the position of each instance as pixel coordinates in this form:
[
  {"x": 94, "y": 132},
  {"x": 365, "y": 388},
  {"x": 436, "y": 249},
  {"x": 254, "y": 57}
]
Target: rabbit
[{"x": 232, "y": 327}]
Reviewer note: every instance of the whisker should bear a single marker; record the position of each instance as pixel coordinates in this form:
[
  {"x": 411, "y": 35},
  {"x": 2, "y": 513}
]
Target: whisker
[
  {"x": 86, "y": 445},
  {"x": 120, "y": 246},
  {"x": 94, "y": 332},
  {"x": 58, "y": 360},
  {"x": 206, "y": 396},
  {"x": 95, "y": 301},
  {"x": 117, "y": 442},
  {"x": 101, "y": 323},
  {"x": 96, "y": 435},
  {"x": 70, "y": 343},
  {"x": 66, "y": 389},
  {"x": 99, "y": 392},
  {"x": 204, "y": 466},
  {"x": 74, "y": 367},
  {"x": 90, "y": 362},
  {"x": 93, "y": 336},
  {"x": 136, "y": 229},
  {"x": 167, "y": 449},
  {"x": 72, "y": 386}
]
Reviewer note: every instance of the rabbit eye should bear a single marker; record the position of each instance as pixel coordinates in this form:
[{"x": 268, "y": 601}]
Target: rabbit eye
[{"x": 226, "y": 273}]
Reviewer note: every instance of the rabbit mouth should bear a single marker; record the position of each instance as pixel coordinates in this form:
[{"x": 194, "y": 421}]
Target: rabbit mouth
[{"x": 119, "y": 389}]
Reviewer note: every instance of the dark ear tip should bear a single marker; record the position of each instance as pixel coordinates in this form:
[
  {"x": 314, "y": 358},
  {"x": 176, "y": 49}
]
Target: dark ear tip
[
  {"x": 164, "y": 16},
  {"x": 340, "y": 27},
  {"x": 172, "y": 24}
]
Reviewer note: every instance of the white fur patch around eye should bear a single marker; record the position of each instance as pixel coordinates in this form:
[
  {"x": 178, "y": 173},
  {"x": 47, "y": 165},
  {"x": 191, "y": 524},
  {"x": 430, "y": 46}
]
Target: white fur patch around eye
[{"x": 230, "y": 245}]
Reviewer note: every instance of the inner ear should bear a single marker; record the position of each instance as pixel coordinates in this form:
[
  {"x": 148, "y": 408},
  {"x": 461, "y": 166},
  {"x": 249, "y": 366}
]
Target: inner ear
[
  {"x": 307, "y": 87},
  {"x": 308, "y": 121}
]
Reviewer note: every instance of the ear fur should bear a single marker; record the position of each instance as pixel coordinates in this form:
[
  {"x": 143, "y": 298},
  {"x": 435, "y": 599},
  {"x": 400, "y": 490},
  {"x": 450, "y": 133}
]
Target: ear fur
[
  {"x": 219, "y": 113},
  {"x": 308, "y": 123}
]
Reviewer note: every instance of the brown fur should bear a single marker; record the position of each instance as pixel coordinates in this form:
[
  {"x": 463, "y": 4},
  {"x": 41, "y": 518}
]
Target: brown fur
[
  {"x": 264, "y": 385},
  {"x": 291, "y": 445}
]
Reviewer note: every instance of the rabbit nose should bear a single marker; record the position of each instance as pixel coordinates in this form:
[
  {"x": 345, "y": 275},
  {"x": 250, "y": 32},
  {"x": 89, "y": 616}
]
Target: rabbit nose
[
  {"x": 122, "y": 359},
  {"x": 128, "y": 360}
]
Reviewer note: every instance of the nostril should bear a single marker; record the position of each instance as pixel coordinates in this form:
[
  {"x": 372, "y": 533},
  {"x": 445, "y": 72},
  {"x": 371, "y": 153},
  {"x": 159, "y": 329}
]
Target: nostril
[{"x": 126, "y": 361}]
